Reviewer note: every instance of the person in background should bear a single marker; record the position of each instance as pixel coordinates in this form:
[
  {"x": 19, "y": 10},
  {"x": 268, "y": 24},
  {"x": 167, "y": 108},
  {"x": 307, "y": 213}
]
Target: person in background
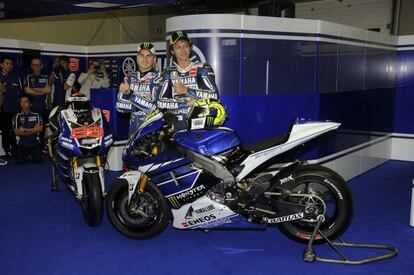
[
  {"x": 27, "y": 126},
  {"x": 2, "y": 161},
  {"x": 95, "y": 78},
  {"x": 137, "y": 94},
  {"x": 186, "y": 81},
  {"x": 63, "y": 81},
  {"x": 11, "y": 90},
  {"x": 37, "y": 85}
]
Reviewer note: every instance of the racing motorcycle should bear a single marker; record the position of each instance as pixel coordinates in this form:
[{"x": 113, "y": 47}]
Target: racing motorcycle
[
  {"x": 207, "y": 179},
  {"x": 78, "y": 149}
]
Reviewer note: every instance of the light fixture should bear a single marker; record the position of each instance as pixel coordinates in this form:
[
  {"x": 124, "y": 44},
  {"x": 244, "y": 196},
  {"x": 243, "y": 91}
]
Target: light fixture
[{"x": 97, "y": 5}]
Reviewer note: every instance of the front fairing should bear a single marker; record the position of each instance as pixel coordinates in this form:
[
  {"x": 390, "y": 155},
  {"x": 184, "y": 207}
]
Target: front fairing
[{"x": 93, "y": 138}]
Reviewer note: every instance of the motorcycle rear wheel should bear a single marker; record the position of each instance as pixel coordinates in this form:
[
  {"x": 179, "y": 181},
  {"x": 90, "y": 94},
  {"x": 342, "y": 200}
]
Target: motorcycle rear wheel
[
  {"x": 337, "y": 206},
  {"x": 152, "y": 204},
  {"x": 92, "y": 204}
]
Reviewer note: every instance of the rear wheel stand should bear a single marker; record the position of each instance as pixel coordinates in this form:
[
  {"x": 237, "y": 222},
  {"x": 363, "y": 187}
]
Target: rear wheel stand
[{"x": 309, "y": 254}]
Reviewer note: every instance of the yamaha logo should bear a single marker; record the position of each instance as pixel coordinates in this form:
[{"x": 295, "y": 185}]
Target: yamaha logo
[{"x": 128, "y": 66}]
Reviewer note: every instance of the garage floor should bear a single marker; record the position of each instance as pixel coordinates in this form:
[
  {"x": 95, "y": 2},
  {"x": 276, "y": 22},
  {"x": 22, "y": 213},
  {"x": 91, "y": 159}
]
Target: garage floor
[{"x": 43, "y": 233}]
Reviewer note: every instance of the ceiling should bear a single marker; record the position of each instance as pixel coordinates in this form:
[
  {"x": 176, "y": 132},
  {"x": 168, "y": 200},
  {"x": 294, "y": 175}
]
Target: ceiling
[{"x": 14, "y": 9}]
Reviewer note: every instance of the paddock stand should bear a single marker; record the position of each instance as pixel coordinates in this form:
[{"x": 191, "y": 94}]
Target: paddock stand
[
  {"x": 54, "y": 186},
  {"x": 309, "y": 254}
]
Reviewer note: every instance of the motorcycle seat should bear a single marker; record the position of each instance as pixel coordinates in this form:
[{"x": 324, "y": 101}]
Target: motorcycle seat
[{"x": 267, "y": 143}]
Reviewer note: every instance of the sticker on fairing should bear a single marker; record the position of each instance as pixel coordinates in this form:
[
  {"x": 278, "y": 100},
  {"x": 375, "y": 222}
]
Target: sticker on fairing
[{"x": 198, "y": 123}]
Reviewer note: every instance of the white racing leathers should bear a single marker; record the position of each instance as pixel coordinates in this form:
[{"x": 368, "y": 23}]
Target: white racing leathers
[
  {"x": 141, "y": 99},
  {"x": 200, "y": 81}
]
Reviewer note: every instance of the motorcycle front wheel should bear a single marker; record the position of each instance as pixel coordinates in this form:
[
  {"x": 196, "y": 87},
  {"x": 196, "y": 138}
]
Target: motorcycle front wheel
[
  {"x": 92, "y": 203},
  {"x": 335, "y": 205},
  {"x": 145, "y": 218}
]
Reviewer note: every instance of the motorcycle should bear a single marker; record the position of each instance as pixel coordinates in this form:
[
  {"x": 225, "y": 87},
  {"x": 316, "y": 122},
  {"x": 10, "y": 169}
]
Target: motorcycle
[
  {"x": 78, "y": 149},
  {"x": 207, "y": 179}
]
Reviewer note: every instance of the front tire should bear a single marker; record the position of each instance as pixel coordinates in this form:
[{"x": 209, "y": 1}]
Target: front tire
[
  {"x": 92, "y": 204},
  {"x": 336, "y": 207},
  {"x": 150, "y": 217}
]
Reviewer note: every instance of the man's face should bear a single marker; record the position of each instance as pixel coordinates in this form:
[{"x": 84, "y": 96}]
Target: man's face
[
  {"x": 36, "y": 66},
  {"x": 145, "y": 60},
  {"x": 64, "y": 64},
  {"x": 182, "y": 50},
  {"x": 25, "y": 104},
  {"x": 7, "y": 65}
]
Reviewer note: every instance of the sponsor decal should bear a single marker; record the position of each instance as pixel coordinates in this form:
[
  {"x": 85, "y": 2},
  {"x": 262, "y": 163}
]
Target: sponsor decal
[
  {"x": 174, "y": 202},
  {"x": 144, "y": 102},
  {"x": 140, "y": 87},
  {"x": 167, "y": 105},
  {"x": 66, "y": 139},
  {"x": 284, "y": 218},
  {"x": 198, "y": 123},
  {"x": 67, "y": 145},
  {"x": 307, "y": 236},
  {"x": 216, "y": 223},
  {"x": 191, "y": 193},
  {"x": 88, "y": 141},
  {"x": 200, "y": 220},
  {"x": 185, "y": 80},
  {"x": 191, "y": 211},
  {"x": 108, "y": 142},
  {"x": 204, "y": 209},
  {"x": 286, "y": 179},
  {"x": 193, "y": 71}
]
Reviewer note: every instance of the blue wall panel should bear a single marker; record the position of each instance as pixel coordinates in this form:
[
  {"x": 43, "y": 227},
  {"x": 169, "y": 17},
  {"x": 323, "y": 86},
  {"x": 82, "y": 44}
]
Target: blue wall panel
[
  {"x": 400, "y": 69},
  {"x": 327, "y": 70},
  {"x": 360, "y": 110},
  {"x": 409, "y": 68},
  {"x": 223, "y": 54},
  {"x": 291, "y": 66},
  {"x": 351, "y": 68},
  {"x": 259, "y": 117},
  {"x": 404, "y": 111},
  {"x": 376, "y": 68}
]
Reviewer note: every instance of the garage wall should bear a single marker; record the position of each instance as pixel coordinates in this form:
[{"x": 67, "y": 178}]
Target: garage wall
[
  {"x": 365, "y": 14},
  {"x": 103, "y": 28}
]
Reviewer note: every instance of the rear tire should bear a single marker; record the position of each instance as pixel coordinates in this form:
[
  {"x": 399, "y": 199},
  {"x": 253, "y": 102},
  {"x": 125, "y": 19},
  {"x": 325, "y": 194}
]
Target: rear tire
[
  {"x": 337, "y": 198},
  {"x": 92, "y": 204},
  {"x": 153, "y": 213}
]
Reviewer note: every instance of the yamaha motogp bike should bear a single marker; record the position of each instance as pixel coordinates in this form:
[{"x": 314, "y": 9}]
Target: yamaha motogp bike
[
  {"x": 78, "y": 150},
  {"x": 207, "y": 179}
]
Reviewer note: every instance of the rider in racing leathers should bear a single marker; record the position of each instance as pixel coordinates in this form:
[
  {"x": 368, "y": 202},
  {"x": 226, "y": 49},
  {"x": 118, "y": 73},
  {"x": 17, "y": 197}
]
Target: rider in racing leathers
[
  {"x": 137, "y": 94},
  {"x": 186, "y": 81}
]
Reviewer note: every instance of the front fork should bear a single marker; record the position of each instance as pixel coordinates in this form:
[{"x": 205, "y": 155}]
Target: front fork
[
  {"x": 78, "y": 171},
  {"x": 144, "y": 179},
  {"x": 137, "y": 192}
]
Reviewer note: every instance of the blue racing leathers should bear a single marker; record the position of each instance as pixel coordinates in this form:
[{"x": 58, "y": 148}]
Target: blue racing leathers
[
  {"x": 200, "y": 81},
  {"x": 140, "y": 99}
]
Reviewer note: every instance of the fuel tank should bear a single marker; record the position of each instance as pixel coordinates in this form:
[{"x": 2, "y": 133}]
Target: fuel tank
[{"x": 208, "y": 142}]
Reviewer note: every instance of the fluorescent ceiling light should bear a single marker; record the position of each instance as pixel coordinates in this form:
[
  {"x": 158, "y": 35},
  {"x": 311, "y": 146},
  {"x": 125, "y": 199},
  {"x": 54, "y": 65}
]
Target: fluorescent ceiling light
[
  {"x": 97, "y": 5},
  {"x": 136, "y": 6}
]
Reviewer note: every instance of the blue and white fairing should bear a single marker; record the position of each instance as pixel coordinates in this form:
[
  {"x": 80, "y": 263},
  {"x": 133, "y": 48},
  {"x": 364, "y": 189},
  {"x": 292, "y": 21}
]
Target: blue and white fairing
[
  {"x": 71, "y": 146},
  {"x": 208, "y": 142}
]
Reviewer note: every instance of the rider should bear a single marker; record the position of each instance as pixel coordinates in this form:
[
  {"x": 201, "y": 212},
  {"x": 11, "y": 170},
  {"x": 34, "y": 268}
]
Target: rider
[
  {"x": 137, "y": 94},
  {"x": 186, "y": 81}
]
